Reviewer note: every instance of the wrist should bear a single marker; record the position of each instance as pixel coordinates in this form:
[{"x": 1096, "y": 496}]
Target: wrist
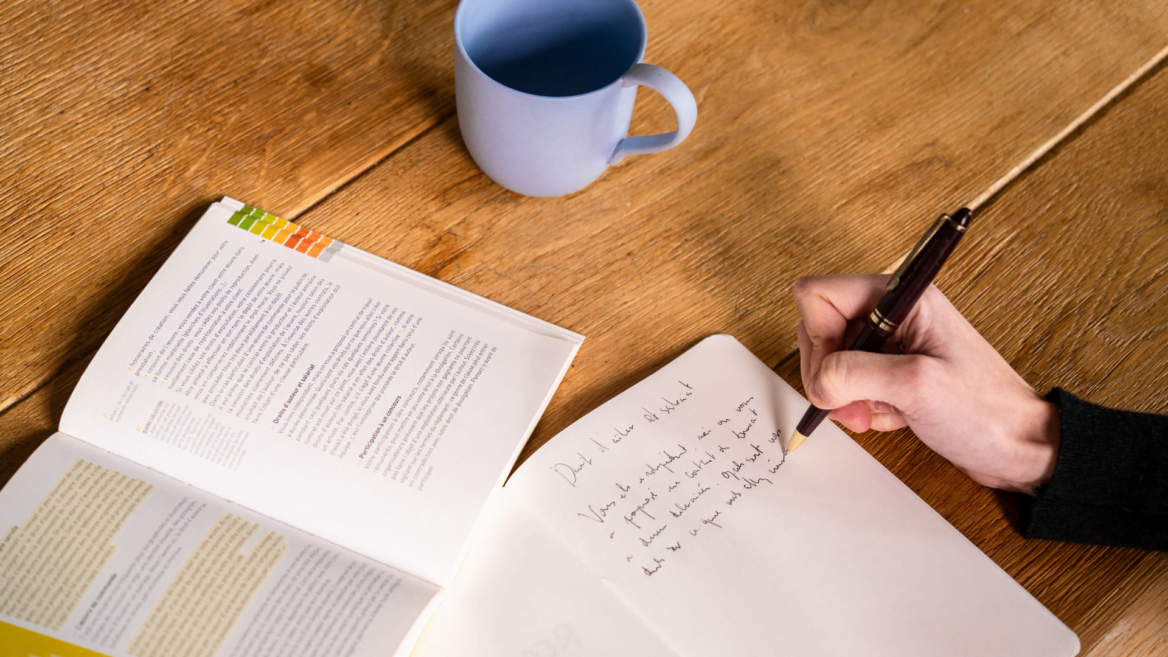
[{"x": 1035, "y": 447}]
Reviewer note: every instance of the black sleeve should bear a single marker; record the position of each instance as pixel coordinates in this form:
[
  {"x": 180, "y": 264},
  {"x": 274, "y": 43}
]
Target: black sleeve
[{"x": 1110, "y": 483}]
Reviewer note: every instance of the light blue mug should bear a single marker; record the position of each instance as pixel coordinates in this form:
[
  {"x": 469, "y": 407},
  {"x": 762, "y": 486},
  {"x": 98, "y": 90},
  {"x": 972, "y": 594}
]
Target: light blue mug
[{"x": 546, "y": 88}]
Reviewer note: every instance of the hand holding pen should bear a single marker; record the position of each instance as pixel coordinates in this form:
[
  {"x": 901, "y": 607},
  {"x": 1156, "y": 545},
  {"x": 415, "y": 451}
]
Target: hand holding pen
[
  {"x": 950, "y": 386},
  {"x": 907, "y": 284}
]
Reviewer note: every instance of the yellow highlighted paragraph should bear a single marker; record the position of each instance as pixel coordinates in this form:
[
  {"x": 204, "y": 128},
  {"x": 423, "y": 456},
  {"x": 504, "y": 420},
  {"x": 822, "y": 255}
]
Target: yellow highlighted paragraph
[
  {"x": 209, "y": 592},
  {"x": 50, "y": 561}
]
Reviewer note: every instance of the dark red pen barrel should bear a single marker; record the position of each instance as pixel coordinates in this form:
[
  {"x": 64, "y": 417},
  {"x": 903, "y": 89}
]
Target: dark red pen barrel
[
  {"x": 920, "y": 273},
  {"x": 916, "y": 276}
]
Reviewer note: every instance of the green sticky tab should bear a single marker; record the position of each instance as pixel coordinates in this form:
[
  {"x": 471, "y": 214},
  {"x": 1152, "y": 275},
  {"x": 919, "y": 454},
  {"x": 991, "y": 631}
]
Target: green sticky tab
[
  {"x": 234, "y": 220},
  {"x": 247, "y": 209},
  {"x": 263, "y": 223},
  {"x": 247, "y": 222}
]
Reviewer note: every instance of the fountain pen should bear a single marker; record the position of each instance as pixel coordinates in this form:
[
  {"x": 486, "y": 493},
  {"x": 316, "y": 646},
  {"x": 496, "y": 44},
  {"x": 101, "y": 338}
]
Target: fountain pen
[{"x": 904, "y": 289}]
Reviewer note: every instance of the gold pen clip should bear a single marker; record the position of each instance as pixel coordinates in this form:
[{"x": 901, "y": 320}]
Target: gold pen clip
[{"x": 895, "y": 280}]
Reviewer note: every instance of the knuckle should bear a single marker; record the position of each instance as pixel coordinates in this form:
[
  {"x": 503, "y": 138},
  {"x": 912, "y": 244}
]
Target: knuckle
[
  {"x": 802, "y": 288},
  {"x": 806, "y": 287},
  {"x": 817, "y": 337},
  {"x": 919, "y": 371},
  {"x": 801, "y": 285}
]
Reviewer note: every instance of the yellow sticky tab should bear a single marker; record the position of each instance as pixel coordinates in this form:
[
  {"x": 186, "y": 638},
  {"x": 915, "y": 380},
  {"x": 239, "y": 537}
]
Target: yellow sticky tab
[{"x": 19, "y": 641}]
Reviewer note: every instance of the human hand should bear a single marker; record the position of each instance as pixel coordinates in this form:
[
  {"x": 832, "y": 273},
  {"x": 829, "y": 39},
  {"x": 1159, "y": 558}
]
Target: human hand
[{"x": 938, "y": 376}]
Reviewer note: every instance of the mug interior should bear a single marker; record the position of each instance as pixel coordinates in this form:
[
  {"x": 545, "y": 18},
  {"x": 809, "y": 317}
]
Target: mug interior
[{"x": 551, "y": 47}]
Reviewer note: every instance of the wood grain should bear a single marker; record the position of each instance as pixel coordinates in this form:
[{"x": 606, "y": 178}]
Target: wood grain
[
  {"x": 1082, "y": 246},
  {"x": 1133, "y": 618},
  {"x": 123, "y": 120},
  {"x": 829, "y": 134},
  {"x": 827, "y": 138},
  {"x": 818, "y": 117},
  {"x": 1066, "y": 273},
  {"x": 718, "y": 250}
]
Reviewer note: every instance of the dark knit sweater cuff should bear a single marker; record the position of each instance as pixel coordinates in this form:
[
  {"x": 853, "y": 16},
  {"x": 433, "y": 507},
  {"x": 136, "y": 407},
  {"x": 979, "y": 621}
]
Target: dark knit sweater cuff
[{"x": 1110, "y": 483}]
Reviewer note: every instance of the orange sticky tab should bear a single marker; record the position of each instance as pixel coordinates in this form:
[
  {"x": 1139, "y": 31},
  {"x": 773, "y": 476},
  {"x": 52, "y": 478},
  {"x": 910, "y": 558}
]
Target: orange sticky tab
[
  {"x": 315, "y": 250},
  {"x": 325, "y": 241},
  {"x": 292, "y": 242}
]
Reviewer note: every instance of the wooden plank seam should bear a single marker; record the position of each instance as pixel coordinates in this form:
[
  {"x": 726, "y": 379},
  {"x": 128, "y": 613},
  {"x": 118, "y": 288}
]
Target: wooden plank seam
[{"x": 1045, "y": 148}]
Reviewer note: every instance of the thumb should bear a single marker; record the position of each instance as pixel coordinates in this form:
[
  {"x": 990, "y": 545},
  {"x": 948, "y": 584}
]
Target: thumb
[{"x": 848, "y": 376}]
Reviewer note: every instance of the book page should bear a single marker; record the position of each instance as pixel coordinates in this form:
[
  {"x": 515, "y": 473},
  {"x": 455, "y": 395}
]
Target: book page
[
  {"x": 678, "y": 496},
  {"x": 521, "y": 594},
  {"x": 356, "y": 399},
  {"x": 108, "y": 556}
]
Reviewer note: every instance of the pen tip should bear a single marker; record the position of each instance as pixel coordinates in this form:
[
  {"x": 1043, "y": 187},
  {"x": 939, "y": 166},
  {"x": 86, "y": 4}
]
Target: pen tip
[{"x": 795, "y": 441}]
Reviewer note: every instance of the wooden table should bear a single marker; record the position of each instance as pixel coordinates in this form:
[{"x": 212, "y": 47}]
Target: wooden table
[{"x": 829, "y": 133}]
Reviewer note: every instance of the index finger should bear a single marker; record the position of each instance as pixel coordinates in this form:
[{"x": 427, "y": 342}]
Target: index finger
[{"x": 827, "y": 303}]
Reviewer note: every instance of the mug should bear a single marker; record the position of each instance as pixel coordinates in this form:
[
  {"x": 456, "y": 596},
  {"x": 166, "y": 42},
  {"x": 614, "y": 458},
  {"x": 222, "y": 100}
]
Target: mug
[{"x": 545, "y": 90}]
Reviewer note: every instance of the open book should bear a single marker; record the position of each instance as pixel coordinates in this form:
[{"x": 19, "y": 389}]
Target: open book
[
  {"x": 283, "y": 448},
  {"x": 670, "y": 522}
]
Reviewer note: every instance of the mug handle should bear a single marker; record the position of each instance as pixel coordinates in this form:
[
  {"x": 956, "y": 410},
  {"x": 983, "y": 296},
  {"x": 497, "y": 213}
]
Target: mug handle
[{"x": 676, "y": 93}]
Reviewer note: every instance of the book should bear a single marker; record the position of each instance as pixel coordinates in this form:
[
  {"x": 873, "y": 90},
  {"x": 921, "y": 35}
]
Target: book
[
  {"x": 284, "y": 447},
  {"x": 670, "y": 522}
]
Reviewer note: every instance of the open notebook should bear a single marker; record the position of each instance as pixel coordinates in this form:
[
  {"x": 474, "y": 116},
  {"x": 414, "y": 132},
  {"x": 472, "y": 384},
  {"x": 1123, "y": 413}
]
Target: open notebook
[
  {"x": 669, "y": 522},
  {"x": 283, "y": 448}
]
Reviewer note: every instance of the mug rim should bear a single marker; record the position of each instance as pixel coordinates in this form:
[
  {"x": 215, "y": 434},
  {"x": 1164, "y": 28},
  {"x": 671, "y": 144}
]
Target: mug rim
[{"x": 458, "y": 45}]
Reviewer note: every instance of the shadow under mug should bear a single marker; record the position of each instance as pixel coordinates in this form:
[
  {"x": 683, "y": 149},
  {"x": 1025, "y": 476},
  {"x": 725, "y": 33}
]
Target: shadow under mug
[{"x": 546, "y": 88}]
